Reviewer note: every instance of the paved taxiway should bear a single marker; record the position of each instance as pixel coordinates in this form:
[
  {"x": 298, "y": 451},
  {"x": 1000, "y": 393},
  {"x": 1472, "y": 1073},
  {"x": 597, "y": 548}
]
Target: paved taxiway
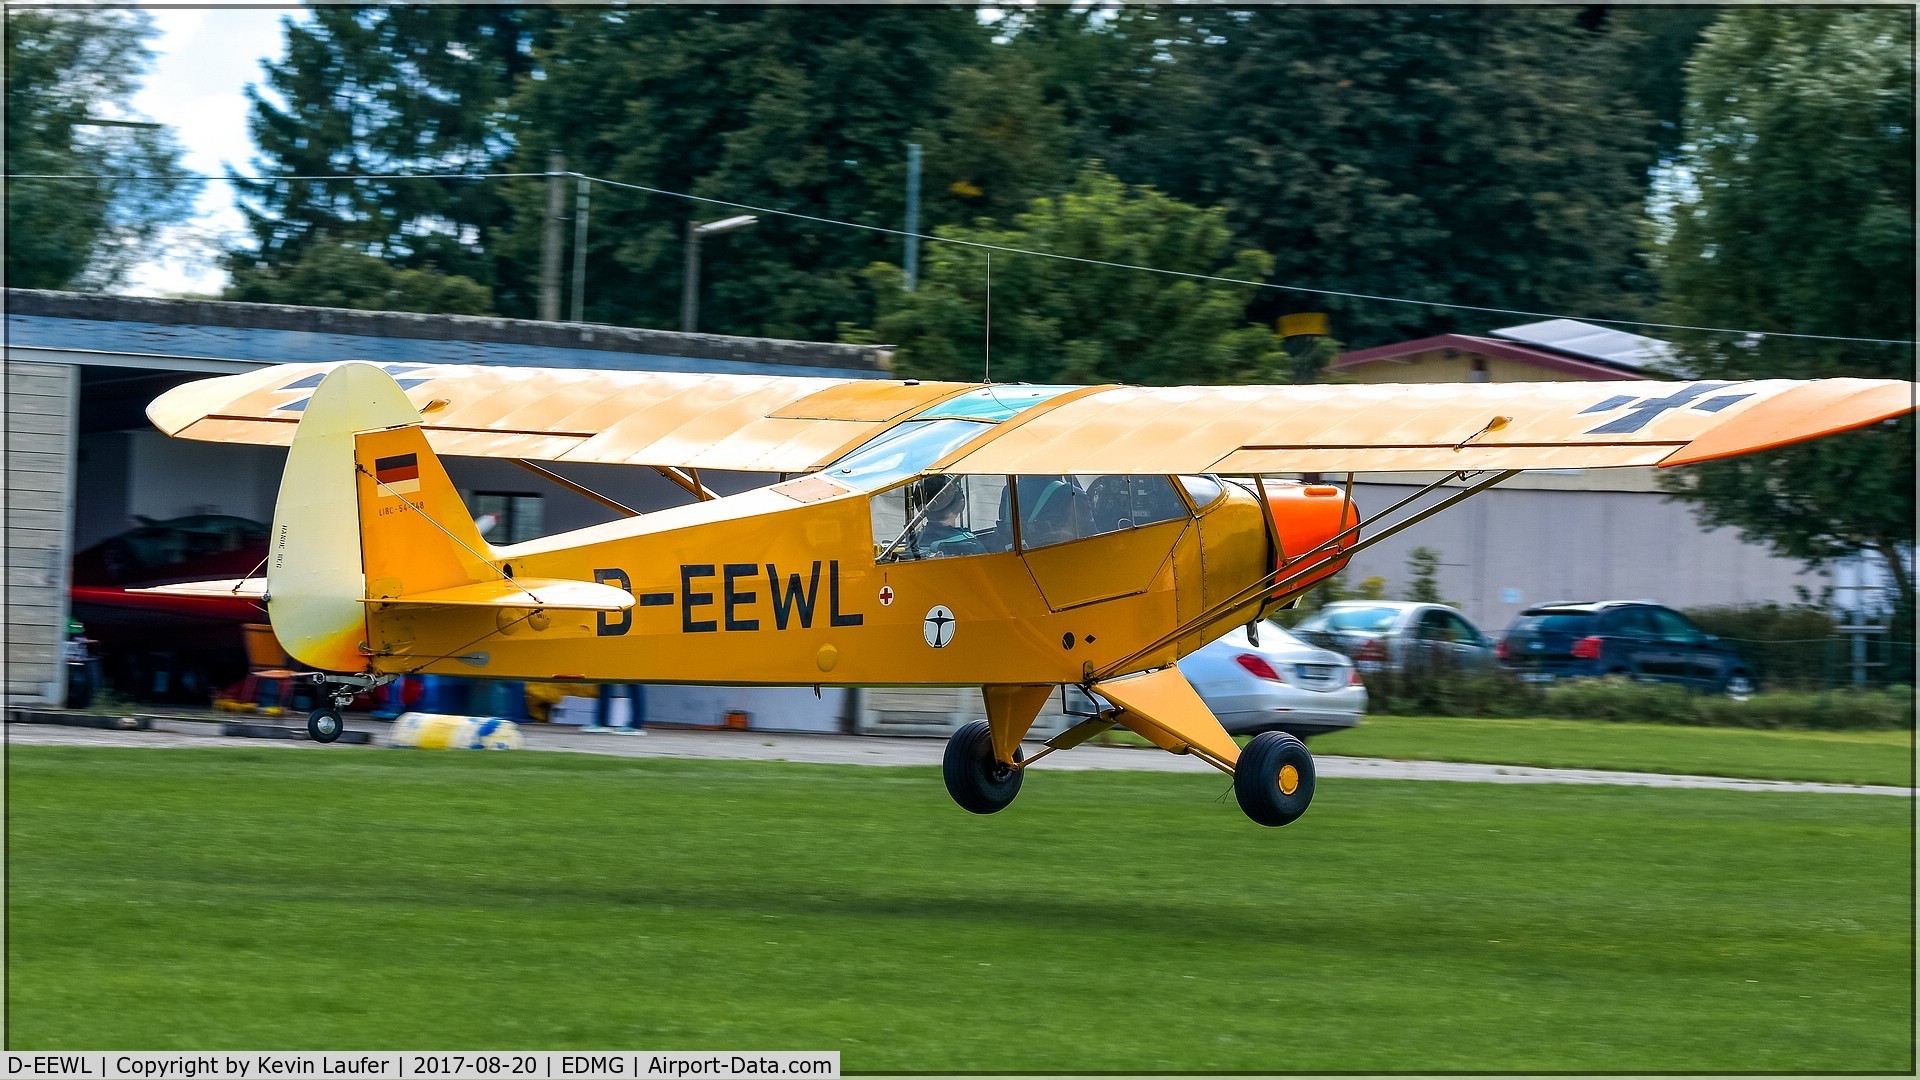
[{"x": 875, "y": 750}]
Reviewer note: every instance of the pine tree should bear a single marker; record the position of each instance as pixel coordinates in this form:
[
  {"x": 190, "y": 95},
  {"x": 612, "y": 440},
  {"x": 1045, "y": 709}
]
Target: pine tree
[
  {"x": 802, "y": 110},
  {"x": 367, "y": 93}
]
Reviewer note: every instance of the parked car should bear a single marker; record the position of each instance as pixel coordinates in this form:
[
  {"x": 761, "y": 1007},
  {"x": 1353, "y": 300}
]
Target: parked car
[
  {"x": 1399, "y": 635},
  {"x": 1281, "y": 684},
  {"x": 1638, "y": 639}
]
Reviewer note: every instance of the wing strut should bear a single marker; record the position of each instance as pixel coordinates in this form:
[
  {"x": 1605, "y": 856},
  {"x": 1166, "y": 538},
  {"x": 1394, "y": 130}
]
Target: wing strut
[
  {"x": 1283, "y": 574},
  {"x": 577, "y": 489}
]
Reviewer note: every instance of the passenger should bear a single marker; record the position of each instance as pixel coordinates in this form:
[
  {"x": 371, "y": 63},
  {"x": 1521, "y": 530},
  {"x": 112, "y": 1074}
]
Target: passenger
[
  {"x": 1061, "y": 513},
  {"x": 940, "y": 534}
]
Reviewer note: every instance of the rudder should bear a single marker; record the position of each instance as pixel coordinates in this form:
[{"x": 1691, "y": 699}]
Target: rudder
[{"x": 365, "y": 509}]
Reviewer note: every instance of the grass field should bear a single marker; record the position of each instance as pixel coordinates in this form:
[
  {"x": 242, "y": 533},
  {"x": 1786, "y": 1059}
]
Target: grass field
[
  {"x": 1834, "y": 757},
  {"x": 1106, "y": 922}
]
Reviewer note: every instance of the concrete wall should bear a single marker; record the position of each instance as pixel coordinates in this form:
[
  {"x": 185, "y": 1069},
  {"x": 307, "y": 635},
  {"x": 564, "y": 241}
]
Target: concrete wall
[
  {"x": 1576, "y": 537},
  {"x": 39, "y": 404}
]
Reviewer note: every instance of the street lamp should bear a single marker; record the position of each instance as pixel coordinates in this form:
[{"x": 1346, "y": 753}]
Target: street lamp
[{"x": 690, "y": 288}]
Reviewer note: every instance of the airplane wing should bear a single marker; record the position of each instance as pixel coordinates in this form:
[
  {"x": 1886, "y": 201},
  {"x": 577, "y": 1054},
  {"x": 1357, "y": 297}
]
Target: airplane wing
[
  {"x": 774, "y": 423},
  {"x": 1427, "y": 427},
  {"x": 754, "y": 423}
]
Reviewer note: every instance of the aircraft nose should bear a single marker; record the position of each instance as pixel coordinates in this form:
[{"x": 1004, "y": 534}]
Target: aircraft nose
[{"x": 1314, "y": 526}]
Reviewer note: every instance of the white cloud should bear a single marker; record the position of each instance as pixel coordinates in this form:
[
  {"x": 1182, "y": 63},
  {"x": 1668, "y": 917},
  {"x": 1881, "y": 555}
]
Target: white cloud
[{"x": 205, "y": 58}]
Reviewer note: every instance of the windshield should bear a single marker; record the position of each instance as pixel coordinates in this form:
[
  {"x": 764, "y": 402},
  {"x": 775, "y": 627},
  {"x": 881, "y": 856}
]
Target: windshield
[
  {"x": 902, "y": 451},
  {"x": 1370, "y": 619}
]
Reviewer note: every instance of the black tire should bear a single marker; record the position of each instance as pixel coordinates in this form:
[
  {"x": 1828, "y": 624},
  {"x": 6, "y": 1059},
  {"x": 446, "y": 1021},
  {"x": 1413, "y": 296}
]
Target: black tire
[
  {"x": 977, "y": 780},
  {"x": 1274, "y": 779},
  {"x": 325, "y": 725}
]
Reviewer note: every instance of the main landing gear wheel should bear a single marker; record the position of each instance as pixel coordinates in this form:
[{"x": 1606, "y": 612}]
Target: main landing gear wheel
[
  {"x": 325, "y": 725},
  {"x": 1274, "y": 779},
  {"x": 977, "y": 780}
]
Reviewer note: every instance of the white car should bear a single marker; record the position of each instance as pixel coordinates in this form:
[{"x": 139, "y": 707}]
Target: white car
[{"x": 1281, "y": 684}]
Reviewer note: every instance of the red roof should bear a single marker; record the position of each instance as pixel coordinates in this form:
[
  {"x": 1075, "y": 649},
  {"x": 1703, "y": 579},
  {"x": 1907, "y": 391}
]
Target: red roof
[{"x": 1492, "y": 347}]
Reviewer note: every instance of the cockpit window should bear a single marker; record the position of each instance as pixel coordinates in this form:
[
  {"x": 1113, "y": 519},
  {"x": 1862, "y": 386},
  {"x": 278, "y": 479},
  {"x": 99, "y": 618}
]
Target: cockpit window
[
  {"x": 941, "y": 516},
  {"x": 902, "y": 451},
  {"x": 994, "y": 403},
  {"x": 1056, "y": 509}
]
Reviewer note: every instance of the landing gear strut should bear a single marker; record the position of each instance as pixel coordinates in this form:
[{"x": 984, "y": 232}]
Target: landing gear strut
[{"x": 324, "y": 724}]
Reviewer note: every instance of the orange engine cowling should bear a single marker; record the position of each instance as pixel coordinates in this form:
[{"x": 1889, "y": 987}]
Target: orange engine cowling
[{"x": 1307, "y": 517}]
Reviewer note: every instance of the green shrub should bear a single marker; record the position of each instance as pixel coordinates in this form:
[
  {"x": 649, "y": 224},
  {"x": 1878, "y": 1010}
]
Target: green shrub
[{"x": 1618, "y": 700}]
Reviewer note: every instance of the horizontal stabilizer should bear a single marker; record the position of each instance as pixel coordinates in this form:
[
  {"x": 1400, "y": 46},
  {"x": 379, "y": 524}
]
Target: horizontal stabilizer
[
  {"x": 253, "y": 588},
  {"x": 558, "y": 594}
]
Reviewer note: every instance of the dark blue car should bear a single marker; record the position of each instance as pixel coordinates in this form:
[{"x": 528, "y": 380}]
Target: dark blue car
[{"x": 1637, "y": 639}]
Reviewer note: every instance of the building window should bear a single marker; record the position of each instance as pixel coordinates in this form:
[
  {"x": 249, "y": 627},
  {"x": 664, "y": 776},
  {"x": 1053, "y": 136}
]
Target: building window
[{"x": 508, "y": 517}]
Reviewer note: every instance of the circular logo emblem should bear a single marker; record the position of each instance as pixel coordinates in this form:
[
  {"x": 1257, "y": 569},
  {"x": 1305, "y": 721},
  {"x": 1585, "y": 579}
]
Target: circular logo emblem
[{"x": 938, "y": 627}]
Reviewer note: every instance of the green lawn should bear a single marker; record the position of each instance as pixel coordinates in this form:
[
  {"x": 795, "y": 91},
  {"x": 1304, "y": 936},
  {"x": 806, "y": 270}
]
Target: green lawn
[
  {"x": 1836, "y": 757},
  {"x": 1121, "y": 922}
]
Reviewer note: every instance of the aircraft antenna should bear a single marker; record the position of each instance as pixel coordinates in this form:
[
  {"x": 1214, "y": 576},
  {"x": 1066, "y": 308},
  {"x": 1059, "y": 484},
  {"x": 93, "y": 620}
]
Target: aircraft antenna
[{"x": 988, "y": 342}]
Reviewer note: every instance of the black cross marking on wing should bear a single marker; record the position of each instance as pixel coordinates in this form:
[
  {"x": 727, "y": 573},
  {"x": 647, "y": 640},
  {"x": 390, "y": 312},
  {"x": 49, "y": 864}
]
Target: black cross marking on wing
[
  {"x": 1642, "y": 411},
  {"x": 398, "y": 371}
]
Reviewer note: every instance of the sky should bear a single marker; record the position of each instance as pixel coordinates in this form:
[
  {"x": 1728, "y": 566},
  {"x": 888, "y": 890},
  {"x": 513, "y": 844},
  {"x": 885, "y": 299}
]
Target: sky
[{"x": 204, "y": 59}]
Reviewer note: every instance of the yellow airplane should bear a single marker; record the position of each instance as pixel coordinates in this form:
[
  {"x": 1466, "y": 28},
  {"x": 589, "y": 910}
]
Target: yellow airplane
[{"x": 919, "y": 534}]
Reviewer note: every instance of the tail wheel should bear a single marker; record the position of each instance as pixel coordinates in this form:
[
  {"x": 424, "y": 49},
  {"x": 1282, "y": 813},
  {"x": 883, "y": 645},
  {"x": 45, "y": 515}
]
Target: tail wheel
[
  {"x": 1274, "y": 779},
  {"x": 978, "y": 781},
  {"x": 325, "y": 725}
]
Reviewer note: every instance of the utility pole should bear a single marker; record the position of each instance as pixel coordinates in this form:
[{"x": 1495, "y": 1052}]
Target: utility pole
[
  {"x": 912, "y": 258},
  {"x": 580, "y": 254},
  {"x": 690, "y": 284},
  {"x": 551, "y": 237},
  {"x": 690, "y": 281}
]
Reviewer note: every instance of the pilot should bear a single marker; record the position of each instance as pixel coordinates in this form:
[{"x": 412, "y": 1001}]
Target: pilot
[{"x": 941, "y": 534}]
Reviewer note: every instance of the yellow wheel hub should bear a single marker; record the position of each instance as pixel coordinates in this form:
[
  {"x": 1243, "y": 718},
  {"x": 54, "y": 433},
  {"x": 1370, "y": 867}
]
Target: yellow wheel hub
[{"x": 1289, "y": 779}]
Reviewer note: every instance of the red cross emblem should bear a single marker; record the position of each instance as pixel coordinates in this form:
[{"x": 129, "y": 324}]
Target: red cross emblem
[{"x": 886, "y": 595}]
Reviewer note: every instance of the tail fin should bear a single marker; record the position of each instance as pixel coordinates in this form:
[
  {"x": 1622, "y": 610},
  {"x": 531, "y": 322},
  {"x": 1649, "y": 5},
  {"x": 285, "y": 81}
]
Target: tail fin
[{"x": 365, "y": 511}]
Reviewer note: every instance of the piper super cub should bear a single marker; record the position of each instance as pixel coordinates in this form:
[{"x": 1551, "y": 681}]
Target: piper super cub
[{"x": 1012, "y": 537}]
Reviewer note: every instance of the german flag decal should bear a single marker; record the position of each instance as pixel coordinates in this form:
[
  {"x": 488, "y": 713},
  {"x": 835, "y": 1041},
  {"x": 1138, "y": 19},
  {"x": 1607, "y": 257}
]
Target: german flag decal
[{"x": 398, "y": 475}]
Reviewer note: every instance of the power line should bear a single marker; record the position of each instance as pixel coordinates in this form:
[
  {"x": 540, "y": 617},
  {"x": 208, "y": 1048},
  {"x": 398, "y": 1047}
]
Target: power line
[{"x": 904, "y": 234}]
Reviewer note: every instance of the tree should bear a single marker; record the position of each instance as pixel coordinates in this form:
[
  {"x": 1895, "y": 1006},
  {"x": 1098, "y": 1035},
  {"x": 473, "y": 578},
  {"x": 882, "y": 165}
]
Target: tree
[
  {"x": 1423, "y": 576},
  {"x": 369, "y": 92},
  {"x": 1799, "y": 141},
  {"x": 1471, "y": 155},
  {"x": 1073, "y": 322},
  {"x": 801, "y": 110},
  {"x": 337, "y": 274},
  {"x": 67, "y": 71}
]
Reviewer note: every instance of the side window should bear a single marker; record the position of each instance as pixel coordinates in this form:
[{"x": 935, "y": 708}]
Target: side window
[
  {"x": 508, "y": 517},
  {"x": 1671, "y": 626},
  {"x": 1056, "y": 509},
  {"x": 1461, "y": 630},
  {"x": 938, "y": 517},
  {"x": 1630, "y": 622},
  {"x": 1433, "y": 626}
]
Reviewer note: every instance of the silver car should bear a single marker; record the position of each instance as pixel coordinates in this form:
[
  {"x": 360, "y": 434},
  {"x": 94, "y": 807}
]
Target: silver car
[
  {"x": 1281, "y": 684},
  {"x": 1399, "y": 635}
]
